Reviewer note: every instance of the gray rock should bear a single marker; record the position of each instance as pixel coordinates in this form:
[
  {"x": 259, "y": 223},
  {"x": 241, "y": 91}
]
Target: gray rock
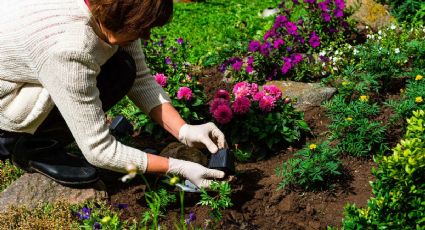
[
  {"x": 307, "y": 95},
  {"x": 32, "y": 189},
  {"x": 370, "y": 13},
  {"x": 269, "y": 12}
]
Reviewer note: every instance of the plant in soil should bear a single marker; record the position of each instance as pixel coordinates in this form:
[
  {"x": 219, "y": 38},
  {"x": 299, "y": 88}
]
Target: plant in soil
[
  {"x": 8, "y": 174},
  {"x": 311, "y": 168}
]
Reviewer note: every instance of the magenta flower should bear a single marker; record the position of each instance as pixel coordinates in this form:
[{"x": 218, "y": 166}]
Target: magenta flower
[
  {"x": 264, "y": 49},
  {"x": 326, "y": 17},
  {"x": 338, "y": 13},
  {"x": 249, "y": 69},
  {"x": 161, "y": 79},
  {"x": 216, "y": 102},
  {"x": 267, "y": 103},
  {"x": 323, "y": 6},
  {"x": 180, "y": 41},
  {"x": 237, "y": 65},
  {"x": 287, "y": 65},
  {"x": 241, "y": 105},
  {"x": 184, "y": 92},
  {"x": 241, "y": 89},
  {"x": 291, "y": 28},
  {"x": 254, "y": 45},
  {"x": 273, "y": 91},
  {"x": 221, "y": 93},
  {"x": 340, "y": 4},
  {"x": 223, "y": 114},
  {"x": 254, "y": 89},
  {"x": 258, "y": 95},
  {"x": 314, "y": 40},
  {"x": 296, "y": 58},
  {"x": 278, "y": 43}
]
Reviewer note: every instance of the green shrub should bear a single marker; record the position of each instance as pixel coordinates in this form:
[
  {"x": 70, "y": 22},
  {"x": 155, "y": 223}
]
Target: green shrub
[
  {"x": 8, "y": 174},
  {"x": 353, "y": 127},
  {"x": 399, "y": 189},
  {"x": 312, "y": 168},
  {"x": 411, "y": 11}
]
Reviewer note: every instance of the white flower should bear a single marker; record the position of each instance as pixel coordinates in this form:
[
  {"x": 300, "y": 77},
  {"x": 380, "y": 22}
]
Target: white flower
[
  {"x": 355, "y": 51},
  {"x": 392, "y": 27},
  {"x": 367, "y": 27},
  {"x": 334, "y": 59},
  {"x": 336, "y": 52},
  {"x": 322, "y": 53},
  {"x": 323, "y": 73},
  {"x": 380, "y": 32},
  {"x": 368, "y": 36},
  {"x": 334, "y": 68},
  {"x": 379, "y": 37},
  {"x": 396, "y": 50}
]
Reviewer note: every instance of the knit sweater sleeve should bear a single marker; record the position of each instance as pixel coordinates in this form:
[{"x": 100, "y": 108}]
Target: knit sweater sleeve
[
  {"x": 146, "y": 93},
  {"x": 69, "y": 75}
]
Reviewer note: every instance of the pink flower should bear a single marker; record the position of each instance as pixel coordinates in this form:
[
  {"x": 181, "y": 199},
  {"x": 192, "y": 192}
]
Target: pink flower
[
  {"x": 161, "y": 79},
  {"x": 241, "y": 105},
  {"x": 221, "y": 93},
  {"x": 241, "y": 89},
  {"x": 254, "y": 89},
  {"x": 267, "y": 103},
  {"x": 273, "y": 91},
  {"x": 223, "y": 114},
  {"x": 184, "y": 92},
  {"x": 259, "y": 95},
  {"x": 217, "y": 102}
]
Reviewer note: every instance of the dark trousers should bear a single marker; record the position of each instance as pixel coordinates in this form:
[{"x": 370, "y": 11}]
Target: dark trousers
[{"x": 115, "y": 79}]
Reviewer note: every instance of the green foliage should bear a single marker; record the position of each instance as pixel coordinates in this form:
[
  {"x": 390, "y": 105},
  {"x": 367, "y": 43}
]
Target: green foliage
[
  {"x": 353, "y": 126},
  {"x": 411, "y": 99},
  {"x": 216, "y": 28},
  {"x": 221, "y": 200},
  {"x": 399, "y": 188},
  {"x": 157, "y": 202},
  {"x": 411, "y": 11},
  {"x": 8, "y": 174},
  {"x": 312, "y": 168}
]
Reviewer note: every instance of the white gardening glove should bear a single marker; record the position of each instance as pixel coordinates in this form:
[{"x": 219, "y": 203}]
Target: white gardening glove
[
  {"x": 200, "y": 136},
  {"x": 196, "y": 173}
]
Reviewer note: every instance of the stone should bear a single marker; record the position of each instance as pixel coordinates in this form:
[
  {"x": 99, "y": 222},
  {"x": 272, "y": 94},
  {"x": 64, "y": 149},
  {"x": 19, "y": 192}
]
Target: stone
[
  {"x": 306, "y": 95},
  {"x": 31, "y": 189},
  {"x": 370, "y": 13},
  {"x": 183, "y": 152}
]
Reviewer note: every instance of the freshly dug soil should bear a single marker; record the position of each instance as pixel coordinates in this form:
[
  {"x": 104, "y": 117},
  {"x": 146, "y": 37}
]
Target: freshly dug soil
[{"x": 258, "y": 204}]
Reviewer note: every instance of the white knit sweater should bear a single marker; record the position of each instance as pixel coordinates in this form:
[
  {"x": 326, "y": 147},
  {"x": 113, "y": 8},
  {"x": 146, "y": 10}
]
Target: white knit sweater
[{"x": 50, "y": 55}]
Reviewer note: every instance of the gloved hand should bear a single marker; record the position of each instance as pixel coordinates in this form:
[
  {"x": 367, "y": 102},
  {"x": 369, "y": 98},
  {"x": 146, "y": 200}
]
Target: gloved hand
[
  {"x": 196, "y": 173},
  {"x": 200, "y": 136}
]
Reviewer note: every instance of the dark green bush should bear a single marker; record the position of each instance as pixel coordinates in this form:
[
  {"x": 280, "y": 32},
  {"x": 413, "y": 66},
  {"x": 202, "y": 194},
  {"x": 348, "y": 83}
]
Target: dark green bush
[{"x": 399, "y": 189}]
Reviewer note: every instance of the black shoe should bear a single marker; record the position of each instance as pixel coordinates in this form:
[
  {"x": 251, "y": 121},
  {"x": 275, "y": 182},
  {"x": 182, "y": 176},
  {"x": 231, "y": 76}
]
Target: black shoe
[{"x": 48, "y": 157}]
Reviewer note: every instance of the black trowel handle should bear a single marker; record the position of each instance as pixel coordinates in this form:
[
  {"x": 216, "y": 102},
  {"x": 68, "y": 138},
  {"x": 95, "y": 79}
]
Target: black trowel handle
[{"x": 223, "y": 160}]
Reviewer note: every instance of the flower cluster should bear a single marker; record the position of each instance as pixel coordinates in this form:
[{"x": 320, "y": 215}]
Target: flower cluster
[
  {"x": 290, "y": 42},
  {"x": 244, "y": 95}
]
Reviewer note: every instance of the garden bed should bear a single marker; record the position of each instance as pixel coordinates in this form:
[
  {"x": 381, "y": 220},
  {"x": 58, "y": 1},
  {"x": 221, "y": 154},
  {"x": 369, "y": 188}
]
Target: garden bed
[{"x": 257, "y": 202}]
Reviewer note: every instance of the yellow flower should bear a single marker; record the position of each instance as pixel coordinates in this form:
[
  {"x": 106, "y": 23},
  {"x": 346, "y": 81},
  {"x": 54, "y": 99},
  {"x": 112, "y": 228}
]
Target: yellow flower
[
  {"x": 312, "y": 146},
  {"x": 419, "y": 77},
  {"x": 364, "y": 98},
  {"x": 401, "y": 90},
  {"x": 419, "y": 99},
  {"x": 349, "y": 118},
  {"x": 105, "y": 220},
  {"x": 344, "y": 83}
]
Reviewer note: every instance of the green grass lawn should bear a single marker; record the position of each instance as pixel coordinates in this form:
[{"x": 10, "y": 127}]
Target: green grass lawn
[{"x": 216, "y": 29}]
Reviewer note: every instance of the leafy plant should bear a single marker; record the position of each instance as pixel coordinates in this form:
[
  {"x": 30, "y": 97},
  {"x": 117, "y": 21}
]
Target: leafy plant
[
  {"x": 353, "y": 126},
  {"x": 399, "y": 188},
  {"x": 157, "y": 201},
  {"x": 256, "y": 121},
  {"x": 312, "y": 168},
  {"x": 8, "y": 174},
  {"x": 407, "y": 10},
  {"x": 219, "y": 201}
]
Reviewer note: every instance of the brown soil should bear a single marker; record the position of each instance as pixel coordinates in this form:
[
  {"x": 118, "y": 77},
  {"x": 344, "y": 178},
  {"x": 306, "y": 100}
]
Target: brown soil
[{"x": 258, "y": 204}]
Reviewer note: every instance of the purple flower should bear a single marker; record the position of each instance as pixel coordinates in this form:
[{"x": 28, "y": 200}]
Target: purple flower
[
  {"x": 168, "y": 61},
  {"x": 184, "y": 92},
  {"x": 314, "y": 40},
  {"x": 296, "y": 58},
  {"x": 291, "y": 28},
  {"x": 249, "y": 69},
  {"x": 221, "y": 93},
  {"x": 287, "y": 65},
  {"x": 223, "y": 67},
  {"x": 97, "y": 226},
  {"x": 84, "y": 214},
  {"x": 223, "y": 114},
  {"x": 254, "y": 45},
  {"x": 161, "y": 79},
  {"x": 296, "y": 2},
  {"x": 310, "y": 1},
  {"x": 192, "y": 217},
  {"x": 237, "y": 65},
  {"x": 338, "y": 13},
  {"x": 280, "y": 21},
  {"x": 340, "y": 4},
  {"x": 323, "y": 58},
  {"x": 241, "y": 105},
  {"x": 180, "y": 41},
  {"x": 278, "y": 43},
  {"x": 323, "y": 6},
  {"x": 269, "y": 33},
  {"x": 122, "y": 206},
  {"x": 216, "y": 102},
  {"x": 326, "y": 17},
  {"x": 264, "y": 49}
]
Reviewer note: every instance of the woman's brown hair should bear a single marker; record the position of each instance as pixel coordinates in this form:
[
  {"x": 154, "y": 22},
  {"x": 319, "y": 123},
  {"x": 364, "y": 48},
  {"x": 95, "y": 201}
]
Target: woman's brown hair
[{"x": 132, "y": 16}]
